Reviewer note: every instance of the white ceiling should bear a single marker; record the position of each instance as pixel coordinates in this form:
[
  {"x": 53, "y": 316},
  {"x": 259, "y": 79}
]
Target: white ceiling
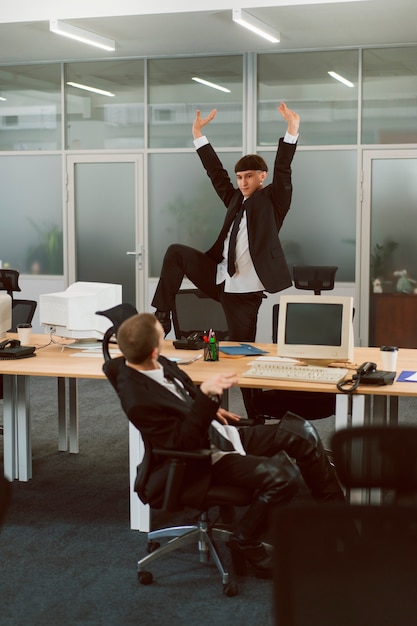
[{"x": 25, "y": 35}]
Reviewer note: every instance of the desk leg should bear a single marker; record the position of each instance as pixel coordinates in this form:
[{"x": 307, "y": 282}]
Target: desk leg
[
  {"x": 24, "y": 427},
  {"x": 9, "y": 428},
  {"x": 139, "y": 512},
  {"x": 62, "y": 416},
  {"x": 342, "y": 411},
  {"x": 73, "y": 415}
]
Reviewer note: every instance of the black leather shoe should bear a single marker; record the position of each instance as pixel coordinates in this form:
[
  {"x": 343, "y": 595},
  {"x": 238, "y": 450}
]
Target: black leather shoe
[
  {"x": 165, "y": 319},
  {"x": 246, "y": 553}
]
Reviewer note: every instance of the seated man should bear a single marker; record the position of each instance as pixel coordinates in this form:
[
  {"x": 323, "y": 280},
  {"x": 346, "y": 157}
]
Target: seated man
[{"x": 173, "y": 413}]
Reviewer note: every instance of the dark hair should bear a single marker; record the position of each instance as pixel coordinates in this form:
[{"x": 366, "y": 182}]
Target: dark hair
[
  {"x": 251, "y": 162},
  {"x": 137, "y": 337}
]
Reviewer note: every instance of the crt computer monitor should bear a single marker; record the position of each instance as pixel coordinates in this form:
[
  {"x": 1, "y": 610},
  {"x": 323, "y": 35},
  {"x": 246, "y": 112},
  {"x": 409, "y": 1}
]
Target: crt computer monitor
[
  {"x": 5, "y": 314},
  {"x": 72, "y": 313},
  {"x": 316, "y": 328}
]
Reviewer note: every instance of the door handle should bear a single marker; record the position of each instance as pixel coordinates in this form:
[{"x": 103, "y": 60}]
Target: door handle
[{"x": 138, "y": 255}]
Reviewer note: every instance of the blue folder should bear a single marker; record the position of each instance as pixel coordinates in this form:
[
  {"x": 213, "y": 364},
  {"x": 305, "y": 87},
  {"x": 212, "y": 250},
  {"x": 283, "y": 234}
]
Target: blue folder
[{"x": 244, "y": 349}]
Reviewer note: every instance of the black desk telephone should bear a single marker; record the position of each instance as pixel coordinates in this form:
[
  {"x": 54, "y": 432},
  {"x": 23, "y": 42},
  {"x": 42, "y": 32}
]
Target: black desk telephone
[
  {"x": 11, "y": 349},
  {"x": 366, "y": 374}
]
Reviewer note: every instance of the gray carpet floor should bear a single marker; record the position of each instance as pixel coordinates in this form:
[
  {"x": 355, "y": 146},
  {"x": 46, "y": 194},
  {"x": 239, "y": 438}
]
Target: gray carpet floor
[{"x": 67, "y": 554}]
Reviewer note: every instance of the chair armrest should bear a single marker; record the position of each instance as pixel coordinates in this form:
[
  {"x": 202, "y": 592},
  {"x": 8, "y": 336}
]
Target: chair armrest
[
  {"x": 178, "y": 463},
  {"x": 194, "y": 455}
]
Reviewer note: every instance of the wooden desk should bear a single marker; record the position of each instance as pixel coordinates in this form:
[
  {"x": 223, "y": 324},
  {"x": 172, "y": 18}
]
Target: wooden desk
[{"x": 368, "y": 403}]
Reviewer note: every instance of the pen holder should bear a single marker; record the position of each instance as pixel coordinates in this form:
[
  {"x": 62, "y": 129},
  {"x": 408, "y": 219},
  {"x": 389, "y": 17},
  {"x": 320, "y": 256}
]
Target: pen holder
[{"x": 211, "y": 351}]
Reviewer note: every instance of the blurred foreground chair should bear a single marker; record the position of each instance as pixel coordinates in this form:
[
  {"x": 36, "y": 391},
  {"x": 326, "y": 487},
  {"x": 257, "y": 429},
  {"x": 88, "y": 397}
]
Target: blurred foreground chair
[
  {"x": 341, "y": 565},
  {"x": 381, "y": 458},
  {"x": 361, "y": 565}
]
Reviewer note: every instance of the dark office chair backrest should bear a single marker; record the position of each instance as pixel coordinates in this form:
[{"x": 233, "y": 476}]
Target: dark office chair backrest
[
  {"x": 22, "y": 312},
  {"x": 117, "y": 315},
  {"x": 341, "y": 565},
  {"x": 382, "y": 457},
  {"x": 196, "y": 312},
  {"x": 9, "y": 281},
  {"x": 317, "y": 278}
]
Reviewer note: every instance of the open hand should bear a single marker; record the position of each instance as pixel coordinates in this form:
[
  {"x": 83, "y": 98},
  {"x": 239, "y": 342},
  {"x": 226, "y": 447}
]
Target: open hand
[
  {"x": 200, "y": 122},
  {"x": 226, "y": 417},
  {"x": 291, "y": 117}
]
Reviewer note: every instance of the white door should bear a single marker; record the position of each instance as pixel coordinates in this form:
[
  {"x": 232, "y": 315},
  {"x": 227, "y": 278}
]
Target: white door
[
  {"x": 106, "y": 235},
  {"x": 387, "y": 239}
]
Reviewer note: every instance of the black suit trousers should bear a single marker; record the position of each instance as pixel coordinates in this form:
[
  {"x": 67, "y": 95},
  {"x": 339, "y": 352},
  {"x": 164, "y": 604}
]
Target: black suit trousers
[{"x": 241, "y": 309}]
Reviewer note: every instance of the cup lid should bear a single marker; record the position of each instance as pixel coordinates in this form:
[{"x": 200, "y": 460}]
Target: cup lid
[{"x": 389, "y": 348}]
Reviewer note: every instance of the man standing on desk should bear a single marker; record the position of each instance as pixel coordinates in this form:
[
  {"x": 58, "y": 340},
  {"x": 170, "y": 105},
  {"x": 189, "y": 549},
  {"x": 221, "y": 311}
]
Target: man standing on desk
[{"x": 247, "y": 258}]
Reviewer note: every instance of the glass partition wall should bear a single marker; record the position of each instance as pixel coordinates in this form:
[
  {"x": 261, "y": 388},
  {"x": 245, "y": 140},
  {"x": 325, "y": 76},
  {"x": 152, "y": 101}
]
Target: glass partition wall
[{"x": 146, "y": 106}]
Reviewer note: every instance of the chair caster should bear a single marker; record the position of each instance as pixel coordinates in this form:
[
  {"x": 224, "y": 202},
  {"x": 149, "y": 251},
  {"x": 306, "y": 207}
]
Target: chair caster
[
  {"x": 145, "y": 578},
  {"x": 230, "y": 589},
  {"x": 152, "y": 546}
]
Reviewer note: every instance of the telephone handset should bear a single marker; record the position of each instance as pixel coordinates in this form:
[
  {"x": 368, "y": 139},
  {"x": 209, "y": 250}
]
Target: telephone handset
[
  {"x": 366, "y": 374},
  {"x": 366, "y": 368},
  {"x": 9, "y": 343},
  {"x": 12, "y": 349}
]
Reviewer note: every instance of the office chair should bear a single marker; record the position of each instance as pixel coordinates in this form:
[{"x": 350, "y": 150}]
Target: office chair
[
  {"x": 9, "y": 281},
  {"x": 203, "y": 532},
  {"x": 194, "y": 311},
  {"x": 345, "y": 565},
  {"x": 311, "y": 277},
  {"x": 378, "y": 457},
  {"x": 309, "y": 405},
  {"x": 117, "y": 315},
  {"x": 22, "y": 310},
  {"x": 367, "y": 554}
]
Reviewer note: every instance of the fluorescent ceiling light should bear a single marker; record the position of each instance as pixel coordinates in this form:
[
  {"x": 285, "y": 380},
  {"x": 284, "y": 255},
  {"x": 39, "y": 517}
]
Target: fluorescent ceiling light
[
  {"x": 256, "y": 26},
  {"x": 102, "y": 92},
  {"x": 3, "y": 99},
  {"x": 209, "y": 84},
  {"x": 345, "y": 81},
  {"x": 79, "y": 34}
]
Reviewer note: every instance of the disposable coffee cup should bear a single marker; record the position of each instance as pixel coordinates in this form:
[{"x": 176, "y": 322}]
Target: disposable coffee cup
[
  {"x": 24, "y": 332},
  {"x": 389, "y": 356}
]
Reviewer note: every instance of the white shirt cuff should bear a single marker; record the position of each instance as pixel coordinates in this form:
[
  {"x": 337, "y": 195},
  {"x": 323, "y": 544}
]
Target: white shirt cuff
[
  {"x": 290, "y": 138},
  {"x": 200, "y": 141}
]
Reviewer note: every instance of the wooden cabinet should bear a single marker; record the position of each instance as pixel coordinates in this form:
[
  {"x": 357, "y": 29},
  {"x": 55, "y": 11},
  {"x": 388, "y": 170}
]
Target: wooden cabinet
[{"x": 393, "y": 320}]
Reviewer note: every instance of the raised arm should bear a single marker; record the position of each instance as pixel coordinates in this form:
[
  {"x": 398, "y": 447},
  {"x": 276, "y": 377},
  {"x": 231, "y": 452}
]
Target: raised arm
[{"x": 200, "y": 122}]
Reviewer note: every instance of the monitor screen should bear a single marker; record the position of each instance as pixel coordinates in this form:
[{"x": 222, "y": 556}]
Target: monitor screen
[
  {"x": 5, "y": 314},
  {"x": 72, "y": 313},
  {"x": 316, "y": 328}
]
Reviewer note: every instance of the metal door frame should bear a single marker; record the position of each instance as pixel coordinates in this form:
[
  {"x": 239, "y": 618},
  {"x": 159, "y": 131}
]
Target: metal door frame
[{"x": 141, "y": 265}]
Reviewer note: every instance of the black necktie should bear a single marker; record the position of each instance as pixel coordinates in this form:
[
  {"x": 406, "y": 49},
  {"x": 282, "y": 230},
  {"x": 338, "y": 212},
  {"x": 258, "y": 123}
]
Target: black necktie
[
  {"x": 179, "y": 387},
  {"x": 231, "y": 268}
]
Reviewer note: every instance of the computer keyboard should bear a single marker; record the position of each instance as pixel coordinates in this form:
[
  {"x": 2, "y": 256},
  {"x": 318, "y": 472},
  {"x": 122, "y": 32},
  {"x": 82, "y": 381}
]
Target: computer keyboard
[{"x": 280, "y": 369}]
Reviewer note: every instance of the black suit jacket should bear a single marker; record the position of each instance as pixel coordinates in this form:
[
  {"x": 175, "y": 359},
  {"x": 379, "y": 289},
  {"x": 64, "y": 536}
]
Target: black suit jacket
[
  {"x": 166, "y": 422},
  {"x": 265, "y": 211}
]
